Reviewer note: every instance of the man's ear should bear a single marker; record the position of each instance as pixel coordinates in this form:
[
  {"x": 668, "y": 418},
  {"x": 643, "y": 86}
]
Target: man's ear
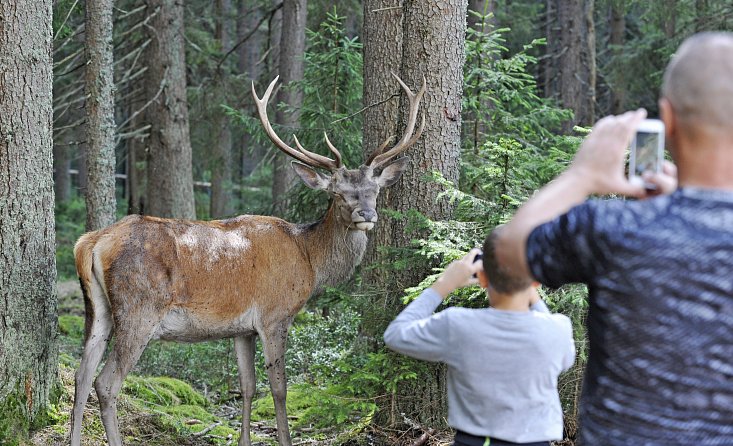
[
  {"x": 392, "y": 171},
  {"x": 311, "y": 178},
  {"x": 666, "y": 112}
]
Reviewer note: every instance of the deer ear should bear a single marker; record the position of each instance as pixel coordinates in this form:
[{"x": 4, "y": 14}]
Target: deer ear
[
  {"x": 392, "y": 171},
  {"x": 311, "y": 177}
]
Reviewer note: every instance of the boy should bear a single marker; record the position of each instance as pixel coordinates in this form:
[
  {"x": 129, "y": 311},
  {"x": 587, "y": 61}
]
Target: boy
[{"x": 503, "y": 361}]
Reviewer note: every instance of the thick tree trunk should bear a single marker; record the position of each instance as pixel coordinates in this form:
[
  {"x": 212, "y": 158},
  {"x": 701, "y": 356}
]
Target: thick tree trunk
[
  {"x": 28, "y": 319},
  {"x": 432, "y": 45},
  {"x": 292, "y": 49},
  {"x": 570, "y": 75},
  {"x": 170, "y": 177},
  {"x": 382, "y": 37},
  {"x": 100, "y": 106},
  {"x": 221, "y": 162}
]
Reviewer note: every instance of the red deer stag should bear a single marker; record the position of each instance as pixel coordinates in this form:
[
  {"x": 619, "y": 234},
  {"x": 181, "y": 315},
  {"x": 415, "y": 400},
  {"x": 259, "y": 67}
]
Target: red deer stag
[{"x": 155, "y": 278}]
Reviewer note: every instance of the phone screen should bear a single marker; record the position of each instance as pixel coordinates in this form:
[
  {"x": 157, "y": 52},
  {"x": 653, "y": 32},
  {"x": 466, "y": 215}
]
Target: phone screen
[{"x": 647, "y": 152}]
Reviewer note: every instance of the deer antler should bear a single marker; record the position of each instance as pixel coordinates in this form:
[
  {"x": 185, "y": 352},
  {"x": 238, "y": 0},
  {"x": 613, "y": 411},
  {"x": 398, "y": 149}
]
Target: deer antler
[
  {"x": 380, "y": 156},
  {"x": 302, "y": 155}
]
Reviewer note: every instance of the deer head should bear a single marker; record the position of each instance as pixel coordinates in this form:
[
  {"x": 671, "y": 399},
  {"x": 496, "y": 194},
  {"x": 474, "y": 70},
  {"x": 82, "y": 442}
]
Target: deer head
[{"x": 354, "y": 191}]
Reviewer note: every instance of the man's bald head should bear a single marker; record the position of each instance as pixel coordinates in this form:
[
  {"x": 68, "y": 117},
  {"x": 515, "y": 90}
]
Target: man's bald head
[{"x": 698, "y": 81}]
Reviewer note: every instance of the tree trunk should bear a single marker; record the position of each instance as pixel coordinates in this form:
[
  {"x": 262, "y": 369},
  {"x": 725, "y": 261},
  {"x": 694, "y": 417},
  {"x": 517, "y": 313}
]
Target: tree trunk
[
  {"x": 249, "y": 56},
  {"x": 273, "y": 40},
  {"x": 617, "y": 40},
  {"x": 382, "y": 37},
  {"x": 221, "y": 161},
  {"x": 100, "y": 126},
  {"x": 28, "y": 319},
  {"x": 136, "y": 176},
  {"x": 292, "y": 49},
  {"x": 170, "y": 177},
  {"x": 571, "y": 74},
  {"x": 433, "y": 47}
]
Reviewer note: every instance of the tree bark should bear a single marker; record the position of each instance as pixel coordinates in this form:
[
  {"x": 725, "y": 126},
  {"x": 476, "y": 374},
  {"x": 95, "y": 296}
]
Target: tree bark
[
  {"x": 170, "y": 177},
  {"x": 100, "y": 126},
  {"x": 382, "y": 37},
  {"x": 570, "y": 76},
  {"x": 292, "y": 49},
  {"x": 221, "y": 162},
  {"x": 28, "y": 318}
]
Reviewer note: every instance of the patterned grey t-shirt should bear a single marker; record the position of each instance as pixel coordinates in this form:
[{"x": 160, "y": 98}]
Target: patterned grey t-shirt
[{"x": 660, "y": 320}]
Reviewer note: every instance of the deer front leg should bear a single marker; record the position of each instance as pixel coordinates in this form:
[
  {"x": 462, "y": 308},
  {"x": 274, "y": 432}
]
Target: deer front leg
[
  {"x": 245, "y": 348},
  {"x": 273, "y": 342}
]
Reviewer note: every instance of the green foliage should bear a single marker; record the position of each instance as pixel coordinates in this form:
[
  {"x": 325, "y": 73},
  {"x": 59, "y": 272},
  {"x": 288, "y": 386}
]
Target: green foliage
[
  {"x": 14, "y": 421},
  {"x": 70, "y": 222}
]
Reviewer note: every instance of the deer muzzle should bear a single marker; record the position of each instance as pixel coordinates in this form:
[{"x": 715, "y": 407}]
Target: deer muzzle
[{"x": 364, "y": 219}]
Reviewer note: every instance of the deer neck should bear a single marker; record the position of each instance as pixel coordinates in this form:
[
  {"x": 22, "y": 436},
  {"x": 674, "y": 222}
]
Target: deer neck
[{"x": 335, "y": 248}]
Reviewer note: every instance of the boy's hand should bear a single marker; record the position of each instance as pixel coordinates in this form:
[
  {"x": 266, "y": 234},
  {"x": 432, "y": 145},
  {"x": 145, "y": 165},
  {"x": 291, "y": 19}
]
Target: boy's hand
[
  {"x": 458, "y": 274},
  {"x": 666, "y": 180}
]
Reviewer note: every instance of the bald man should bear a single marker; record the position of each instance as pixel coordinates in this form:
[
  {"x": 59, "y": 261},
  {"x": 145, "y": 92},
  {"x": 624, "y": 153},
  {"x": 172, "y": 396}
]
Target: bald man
[{"x": 659, "y": 270}]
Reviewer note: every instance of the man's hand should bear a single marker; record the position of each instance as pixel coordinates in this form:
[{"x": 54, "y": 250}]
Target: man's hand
[
  {"x": 458, "y": 274},
  {"x": 598, "y": 167}
]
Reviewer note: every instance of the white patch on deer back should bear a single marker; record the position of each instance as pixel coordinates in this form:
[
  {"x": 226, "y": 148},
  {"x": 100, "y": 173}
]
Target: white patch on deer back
[{"x": 209, "y": 245}]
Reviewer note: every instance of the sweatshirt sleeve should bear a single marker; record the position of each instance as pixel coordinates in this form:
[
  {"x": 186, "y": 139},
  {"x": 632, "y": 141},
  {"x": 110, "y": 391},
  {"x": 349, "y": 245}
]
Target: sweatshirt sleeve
[
  {"x": 418, "y": 332},
  {"x": 569, "y": 357},
  {"x": 540, "y": 306}
]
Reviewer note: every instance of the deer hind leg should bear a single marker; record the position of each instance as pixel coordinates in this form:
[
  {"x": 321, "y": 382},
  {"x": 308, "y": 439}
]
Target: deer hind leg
[
  {"x": 245, "y": 348},
  {"x": 97, "y": 329},
  {"x": 274, "y": 340},
  {"x": 131, "y": 337}
]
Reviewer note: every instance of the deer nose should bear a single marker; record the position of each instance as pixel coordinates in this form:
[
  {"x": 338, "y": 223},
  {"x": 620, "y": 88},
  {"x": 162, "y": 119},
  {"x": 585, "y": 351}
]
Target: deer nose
[{"x": 367, "y": 214}]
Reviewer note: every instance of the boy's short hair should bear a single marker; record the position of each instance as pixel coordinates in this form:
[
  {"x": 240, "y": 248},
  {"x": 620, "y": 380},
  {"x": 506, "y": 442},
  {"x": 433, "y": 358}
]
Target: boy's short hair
[{"x": 501, "y": 280}]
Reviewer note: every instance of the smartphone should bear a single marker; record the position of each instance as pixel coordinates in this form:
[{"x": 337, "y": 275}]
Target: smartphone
[
  {"x": 647, "y": 149},
  {"x": 478, "y": 258}
]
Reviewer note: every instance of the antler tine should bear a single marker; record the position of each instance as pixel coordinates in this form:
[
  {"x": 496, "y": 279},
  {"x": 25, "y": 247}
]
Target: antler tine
[
  {"x": 309, "y": 158},
  {"x": 408, "y": 138},
  {"x": 379, "y": 150},
  {"x": 323, "y": 160},
  {"x": 334, "y": 150}
]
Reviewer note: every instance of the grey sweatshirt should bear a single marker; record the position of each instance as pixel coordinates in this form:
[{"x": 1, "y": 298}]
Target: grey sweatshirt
[{"x": 502, "y": 365}]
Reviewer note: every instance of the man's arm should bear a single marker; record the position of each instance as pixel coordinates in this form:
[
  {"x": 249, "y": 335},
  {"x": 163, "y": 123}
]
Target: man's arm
[{"x": 598, "y": 168}]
